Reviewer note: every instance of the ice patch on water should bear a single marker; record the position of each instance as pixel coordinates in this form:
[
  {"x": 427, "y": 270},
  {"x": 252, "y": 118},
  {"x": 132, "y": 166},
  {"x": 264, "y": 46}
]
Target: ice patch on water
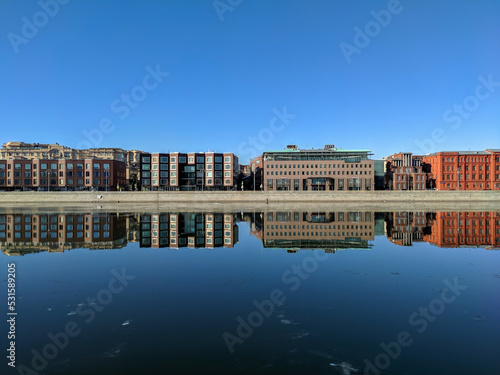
[
  {"x": 299, "y": 334},
  {"x": 127, "y": 322},
  {"x": 345, "y": 368}
]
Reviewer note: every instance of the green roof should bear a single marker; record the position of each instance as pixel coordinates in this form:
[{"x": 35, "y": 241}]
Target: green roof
[{"x": 319, "y": 149}]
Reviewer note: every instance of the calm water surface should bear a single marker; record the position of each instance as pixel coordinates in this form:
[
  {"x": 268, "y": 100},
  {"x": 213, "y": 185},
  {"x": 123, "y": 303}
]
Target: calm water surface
[{"x": 253, "y": 293}]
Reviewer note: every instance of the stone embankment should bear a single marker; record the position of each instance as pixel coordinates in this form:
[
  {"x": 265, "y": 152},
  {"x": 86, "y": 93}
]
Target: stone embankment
[{"x": 384, "y": 200}]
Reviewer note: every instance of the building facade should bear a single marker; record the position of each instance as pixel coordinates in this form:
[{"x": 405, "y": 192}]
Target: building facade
[
  {"x": 62, "y": 174},
  {"x": 405, "y": 171},
  {"x": 329, "y": 168},
  {"x": 33, "y": 151},
  {"x": 188, "y": 171},
  {"x": 465, "y": 170}
]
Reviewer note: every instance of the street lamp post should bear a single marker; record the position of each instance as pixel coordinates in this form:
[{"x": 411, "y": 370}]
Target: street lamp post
[{"x": 253, "y": 172}]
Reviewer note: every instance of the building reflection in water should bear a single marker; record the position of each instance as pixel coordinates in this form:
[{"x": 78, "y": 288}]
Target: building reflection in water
[
  {"x": 56, "y": 232},
  {"x": 465, "y": 229},
  {"x": 403, "y": 228},
  {"x": 29, "y": 233},
  {"x": 318, "y": 230},
  {"x": 188, "y": 229}
]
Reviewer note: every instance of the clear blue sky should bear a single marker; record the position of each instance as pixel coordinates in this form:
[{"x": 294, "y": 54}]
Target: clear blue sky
[{"x": 232, "y": 69}]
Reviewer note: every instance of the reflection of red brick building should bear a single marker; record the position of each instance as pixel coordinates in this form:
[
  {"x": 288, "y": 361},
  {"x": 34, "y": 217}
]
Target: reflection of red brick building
[
  {"x": 404, "y": 228},
  {"x": 476, "y": 170},
  {"x": 25, "y": 233},
  {"x": 470, "y": 229}
]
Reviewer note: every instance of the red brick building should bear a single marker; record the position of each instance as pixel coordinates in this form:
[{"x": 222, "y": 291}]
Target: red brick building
[
  {"x": 405, "y": 171},
  {"x": 465, "y": 170},
  {"x": 62, "y": 174}
]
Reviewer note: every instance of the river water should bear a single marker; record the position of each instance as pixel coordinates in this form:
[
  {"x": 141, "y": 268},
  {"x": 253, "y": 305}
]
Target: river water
[{"x": 251, "y": 292}]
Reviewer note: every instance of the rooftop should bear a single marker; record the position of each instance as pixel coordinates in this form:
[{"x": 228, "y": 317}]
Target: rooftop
[
  {"x": 316, "y": 150},
  {"x": 488, "y": 152}
]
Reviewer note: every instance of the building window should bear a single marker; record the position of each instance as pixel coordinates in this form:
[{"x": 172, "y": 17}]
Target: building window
[{"x": 341, "y": 184}]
